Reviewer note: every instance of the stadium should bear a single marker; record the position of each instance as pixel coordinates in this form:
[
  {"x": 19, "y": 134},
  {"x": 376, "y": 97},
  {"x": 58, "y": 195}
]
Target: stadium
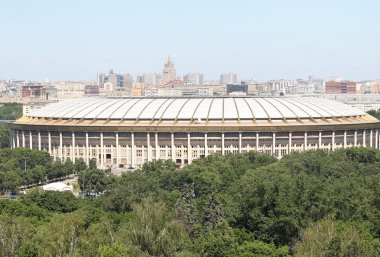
[{"x": 127, "y": 132}]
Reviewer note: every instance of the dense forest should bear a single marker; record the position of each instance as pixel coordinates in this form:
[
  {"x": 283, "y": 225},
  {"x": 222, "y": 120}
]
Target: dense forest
[{"x": 314, "y": 203}]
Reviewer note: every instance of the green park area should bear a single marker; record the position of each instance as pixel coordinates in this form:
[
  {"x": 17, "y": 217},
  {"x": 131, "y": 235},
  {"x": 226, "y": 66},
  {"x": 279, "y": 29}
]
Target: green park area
[{"x": 314, "y": 203}]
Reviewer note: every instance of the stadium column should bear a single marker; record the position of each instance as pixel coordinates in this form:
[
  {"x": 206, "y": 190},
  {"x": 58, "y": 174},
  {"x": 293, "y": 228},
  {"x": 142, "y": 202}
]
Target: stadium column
[
  {"x": 117, "y": 149},
  {"x": 73, "y": 147},
  {"x": 319, "y": 139},
  {"x": 17, "y": 139},
  {"x": 30, "y": 140},
  {"x": 290, "y": 143},
  {"x": 305, "y": 141},
  {"x": 364, "y": 139},
  {"x": 60, "y": 147},
  {"x": 257, "y": 141},
  {"x": 13, "y": 139},
  {"x": 345, "y": 139},
  {"x": 355, "y": 138},
  {"x": 157, "y": 151},
  {"x": 148, "y": 146},
  {"x": 223, "y": 144},
  {"x": 87, "y": 150},
  {"x": 49, "y": 142},
  {"x": 189, "y": 150},
  {"x": 39, "y": 140},
  {"x": 133, "y": 154},
  {"x": 173, "y": 146},
  {"x": 370, "y": 139},
  {"x": 101, "y": 150},
  {"x": 239, "y": 142},
  {"x": 333, "y": 141},
  {"x": 23, "y": 138},
  {"x": 273, "y": 143},
  {"x": 206, "y": 145}
]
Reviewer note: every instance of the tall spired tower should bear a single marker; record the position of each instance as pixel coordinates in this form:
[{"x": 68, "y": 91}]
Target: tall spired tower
[{"x": 168, "y": 73}]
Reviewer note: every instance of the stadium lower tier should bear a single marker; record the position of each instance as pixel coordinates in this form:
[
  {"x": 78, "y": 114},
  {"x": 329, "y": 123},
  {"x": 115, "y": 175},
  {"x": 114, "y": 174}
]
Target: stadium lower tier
[{"x": 133, "y": 149}]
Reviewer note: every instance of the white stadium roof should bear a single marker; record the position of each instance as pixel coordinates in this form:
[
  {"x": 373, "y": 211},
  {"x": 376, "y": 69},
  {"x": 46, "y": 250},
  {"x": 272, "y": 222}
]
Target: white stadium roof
[{"x": 196, "y": 108}]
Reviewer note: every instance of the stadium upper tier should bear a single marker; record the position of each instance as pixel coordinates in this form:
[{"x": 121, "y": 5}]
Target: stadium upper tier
[{"x": 197, "y": 109}]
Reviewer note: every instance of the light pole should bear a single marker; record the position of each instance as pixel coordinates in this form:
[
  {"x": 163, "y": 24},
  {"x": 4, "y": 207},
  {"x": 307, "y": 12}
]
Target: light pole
[{"x": 25, "y": 163}]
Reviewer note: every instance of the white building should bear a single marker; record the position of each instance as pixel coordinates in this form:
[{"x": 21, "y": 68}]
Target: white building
[{"x": 128, "y": 132}]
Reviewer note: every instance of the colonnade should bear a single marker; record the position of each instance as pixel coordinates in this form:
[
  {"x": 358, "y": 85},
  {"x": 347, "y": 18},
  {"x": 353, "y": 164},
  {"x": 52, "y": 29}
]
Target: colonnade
[{"x": 186, "y": 147}]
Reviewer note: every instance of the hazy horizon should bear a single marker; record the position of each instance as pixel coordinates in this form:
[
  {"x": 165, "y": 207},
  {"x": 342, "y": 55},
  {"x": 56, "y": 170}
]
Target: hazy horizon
[{"x": 74, "y": 40}]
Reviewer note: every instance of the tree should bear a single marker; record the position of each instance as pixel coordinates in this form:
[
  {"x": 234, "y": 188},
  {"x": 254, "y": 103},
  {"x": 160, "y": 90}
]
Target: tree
[
  {"x": 38, "y": 174},
  {"x": 80, "y": 165},
  {"x": 92, "y": 164},
  {"x": 129, "y": 189},
  {"x": 60, "y": 237},
  {"x": 11, "y": 182},
  {"x": 219, "y": 242},
  {"x": 92, "y": 180},
  {"x": 331, "y": 238},
  {"x": 54, "y": 201},
  {"x": 68, "y": 167},
  {"x": 374, "y": 113},
  {"x": 260, "y": 249},
  {"x": 113, "y": 250},
  {"x": 154, "y": 230},
  {"x": 186, "y": 211},
  {"x": 214, "y": 213},
  {"x": 14, "y": 231},
  {"x": 4, "y": 136}
]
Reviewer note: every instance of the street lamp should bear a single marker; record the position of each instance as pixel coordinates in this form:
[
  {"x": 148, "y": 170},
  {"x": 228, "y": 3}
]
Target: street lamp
[{"x": 25, "y": 163}]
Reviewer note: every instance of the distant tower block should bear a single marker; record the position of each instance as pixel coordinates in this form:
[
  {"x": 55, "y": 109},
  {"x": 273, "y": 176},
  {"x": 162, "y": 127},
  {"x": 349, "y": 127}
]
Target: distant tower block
[{"x": 169, "y": 72}]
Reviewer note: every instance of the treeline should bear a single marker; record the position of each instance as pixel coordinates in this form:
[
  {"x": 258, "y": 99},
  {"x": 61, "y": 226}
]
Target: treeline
[
  {"x": 24, "y": 167},
  {"x": 10, "y": 111},
  {"x": 314, "y": 203},
  {"x": 374, "y": 113}
]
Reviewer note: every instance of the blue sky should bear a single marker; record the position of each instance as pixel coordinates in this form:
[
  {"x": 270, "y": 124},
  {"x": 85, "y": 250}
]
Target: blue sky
[{"x": 271, "y": 39}]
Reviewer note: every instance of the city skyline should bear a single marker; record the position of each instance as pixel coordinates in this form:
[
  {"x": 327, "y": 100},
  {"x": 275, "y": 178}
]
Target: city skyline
[{"x": 263, "y": 41}]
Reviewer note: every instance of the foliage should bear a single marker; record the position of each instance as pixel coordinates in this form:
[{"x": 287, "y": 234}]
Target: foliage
[
  {"x": 52, "y": 200},
  {"x": 114, "y": 250},
  {"x": 329, "y": 237},
  {"x": 10, "y": 111},
  {"x": 218, "y": 242},
  {"x": 314, "y": 203},
  {"x": 154, "y": 230},
  {"x": 92, "y": 181},
  {"x": 261, "y": 249},
  {"x": 4, "y": 135},
  {"x": 374, "y": 113}
]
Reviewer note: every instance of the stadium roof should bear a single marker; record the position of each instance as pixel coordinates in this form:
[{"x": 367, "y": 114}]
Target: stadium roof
[{"x": 196, "y": 108}]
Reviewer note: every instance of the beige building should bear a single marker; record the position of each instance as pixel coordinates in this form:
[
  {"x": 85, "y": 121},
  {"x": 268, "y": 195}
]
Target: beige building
[{"x": 169, "y": 73}]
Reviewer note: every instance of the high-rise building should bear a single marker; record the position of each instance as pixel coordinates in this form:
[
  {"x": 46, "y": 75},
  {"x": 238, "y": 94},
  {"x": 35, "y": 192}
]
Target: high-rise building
[
  {"x": 228, "y": 78},
  {"x": 150, "y": 78},
  {"x": 100, "y": 78},
  {"x": 169, "y": 72},
  {"x": 127, "y": 82},
  {"x": 115, "y": 79},
  {"x": 193, "y": 79}
]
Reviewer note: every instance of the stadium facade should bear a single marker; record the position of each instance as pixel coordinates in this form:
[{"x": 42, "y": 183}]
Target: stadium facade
[{"x": 130, "y": 131}]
